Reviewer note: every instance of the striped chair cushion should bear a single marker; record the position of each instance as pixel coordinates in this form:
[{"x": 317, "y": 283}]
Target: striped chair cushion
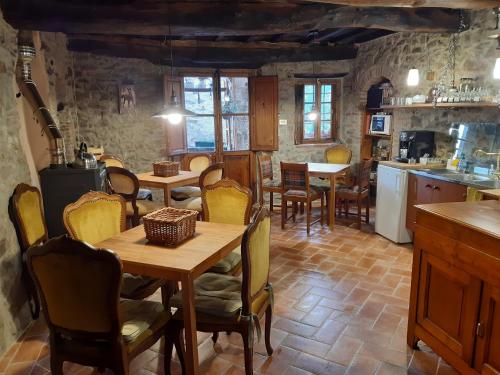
[{"x": 294, "y": 180}]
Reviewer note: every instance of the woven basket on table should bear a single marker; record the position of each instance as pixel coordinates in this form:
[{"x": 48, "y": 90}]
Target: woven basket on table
[
  {"x": 166, "y": 168},
  {"x": 170, "y": 226}
]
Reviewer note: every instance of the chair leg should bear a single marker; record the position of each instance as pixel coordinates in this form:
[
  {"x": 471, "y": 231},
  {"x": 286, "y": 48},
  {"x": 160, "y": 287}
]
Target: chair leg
[
  {"x": 308, "y": 216},
  {"x": 321, "y": 207},
  {"x": 368, "y": 210},
  {"x": 302, "y": 208},
  {"x": 215, "y": 337},
  {"x": 248, "y": 353},
  {"x": 359, "y": 214},
  {"x": 269, "y": 319},
  {"x": 173, "y": 336},
  {"x": 283, "y": 213},
  {"x": 56, "y": 364},
  {"x": 271, "y": 203},
  {"x": 167, "y": 291},
  {"x": 295, "y": 209},
  {"x": 346, "y": 208}
]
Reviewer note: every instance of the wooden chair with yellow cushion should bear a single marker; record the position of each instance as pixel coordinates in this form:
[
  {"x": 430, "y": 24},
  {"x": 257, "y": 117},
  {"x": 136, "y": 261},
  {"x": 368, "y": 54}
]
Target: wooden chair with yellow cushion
[
  {"x": 79, "y": 287},
  {"x": 227, "y": 303},
  {"x": 125, "y": 183},
  {"x": 338, "y": 154},
  {"x": 113, "y": 161},
  {"x": 267, "y": 182},
  {"x": 209, "y": 176},
  {"x": 97, "y": 216},
  {"x": 227, "y": 202},
  {"x": 197, "y": 163},
  {"x": 26, "y": 214},
  {"x": 358, "y": 192}
]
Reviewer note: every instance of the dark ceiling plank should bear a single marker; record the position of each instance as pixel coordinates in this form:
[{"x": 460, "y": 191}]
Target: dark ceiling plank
[
  {"x": 216, "y": 18},
  {"x": 359, "y": 35},
  {"x": 333, "y": 34},
  {"x": 452, "y": 4},
  {"x": 210, "y": 54}
]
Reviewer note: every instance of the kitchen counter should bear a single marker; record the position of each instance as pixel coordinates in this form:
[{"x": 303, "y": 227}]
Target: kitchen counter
[
  {"x": 414, "y": 166},
  {"x": 492, "y": 193},
  {"x": 481, "y": 216},
  {"x": 476, "y": 181}
]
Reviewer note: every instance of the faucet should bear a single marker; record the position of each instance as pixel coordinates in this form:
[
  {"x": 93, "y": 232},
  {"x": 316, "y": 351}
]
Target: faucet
[{"x": 497, "y": 154}]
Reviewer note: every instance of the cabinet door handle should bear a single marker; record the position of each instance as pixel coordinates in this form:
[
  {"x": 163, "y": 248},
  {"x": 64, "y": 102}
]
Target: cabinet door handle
[
  {"x": 428, "y": 186},
  {"x": 480, "y": 329},
  {"x": 435, "y": 187}
]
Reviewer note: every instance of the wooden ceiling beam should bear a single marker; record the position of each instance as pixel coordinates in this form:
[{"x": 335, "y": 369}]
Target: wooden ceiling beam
[
  {"x": 209, "y": 54},
  {"x": 452, "y": 4},
  {"x": 213, "y": 18}
]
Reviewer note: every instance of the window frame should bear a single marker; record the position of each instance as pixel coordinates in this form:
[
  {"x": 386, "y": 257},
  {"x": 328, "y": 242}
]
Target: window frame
[{"x": 299, "y": 111}]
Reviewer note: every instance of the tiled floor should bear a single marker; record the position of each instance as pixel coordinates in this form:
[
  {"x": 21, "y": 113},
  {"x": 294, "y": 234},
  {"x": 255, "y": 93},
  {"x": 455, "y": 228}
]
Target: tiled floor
[{"x": 341, "y": 308}]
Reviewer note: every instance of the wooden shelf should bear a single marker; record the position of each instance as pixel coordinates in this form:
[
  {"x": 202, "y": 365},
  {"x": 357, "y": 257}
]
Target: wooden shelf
[
  {"x": 443, "y": 105},
  {"x": 385, "y": 136}
]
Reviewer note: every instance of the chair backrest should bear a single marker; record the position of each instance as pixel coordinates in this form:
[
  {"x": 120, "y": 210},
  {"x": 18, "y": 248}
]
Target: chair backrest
[
  {"x": 95, "y": 216},
  {"x": 123, "y": 182},
  {"x": 200, "y": 162},
  {"x": 111, "y": 161},
  {"x": 255, "y": 247},
  {"x": 364, "y": 169},
  {"x": 26, "y": 213},
  {"x": 294, "y": 176},
  {"x": 79, "y": 286},
  {"x": 338, "y": 154},
  {"x": 226, "y": 202},
  {"x": 211, "y": 175},
  {"x": 265, "y": 166}
]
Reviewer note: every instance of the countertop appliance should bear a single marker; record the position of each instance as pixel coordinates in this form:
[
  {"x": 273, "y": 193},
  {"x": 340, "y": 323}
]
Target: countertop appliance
[
  {"x": 63, "y": 186},
  {"x": 380, "y": 124},
  {"x": 390, "y": 213},
  {"x": 414, "y": 144}
]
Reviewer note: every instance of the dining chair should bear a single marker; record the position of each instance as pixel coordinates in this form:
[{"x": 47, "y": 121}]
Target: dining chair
[
  {"x": 209, "y": 176},
  {"x": 358, "y": 192},
  {"x": 125, "y": 183},
  {"x": 113, "y": 161},
  {"x": 197, "y": 164},
  {"x": 297, "y": 189},
  {"x": 26, "y": 214},
  {"x": 267, "y": 182},
  {"x": 79, "y": 287},
  {"x": 227, "y": 202},
  {"x": 97, "y": 216},
  {"x": 227, "y": 303},
  {"x": 338, "y": 154}
]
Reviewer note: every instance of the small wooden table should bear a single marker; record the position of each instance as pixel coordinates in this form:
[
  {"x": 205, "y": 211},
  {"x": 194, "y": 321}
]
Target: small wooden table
[
  {"x": 330, "y": 171},
  {"x": 184, "y": 263},
  {"x": 148, "y": 179}
]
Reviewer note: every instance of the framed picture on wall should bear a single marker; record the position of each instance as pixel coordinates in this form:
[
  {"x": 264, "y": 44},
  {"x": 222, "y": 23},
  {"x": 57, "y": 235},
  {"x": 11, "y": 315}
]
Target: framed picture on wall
[{"x": 126, "y": 95}]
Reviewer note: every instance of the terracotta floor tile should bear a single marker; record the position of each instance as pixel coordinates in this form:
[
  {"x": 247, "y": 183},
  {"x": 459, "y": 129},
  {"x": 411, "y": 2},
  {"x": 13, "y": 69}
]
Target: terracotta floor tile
[
  {"x": 330, "y": 331},
  {"x": 30, "y": 349},
  {"x": 424, "y": 362},
  {"x": 344, "y": 350},
  {"x": 317, "y": 365},
  {"x": 317, "y": 316},
  {"x": 306, "y": 345},
  {"x": 19, "y": 368},
  {"x": 296, "y": 328},
  {"x": 362, "y": 365},
  {"x": 389, "y": 369}
]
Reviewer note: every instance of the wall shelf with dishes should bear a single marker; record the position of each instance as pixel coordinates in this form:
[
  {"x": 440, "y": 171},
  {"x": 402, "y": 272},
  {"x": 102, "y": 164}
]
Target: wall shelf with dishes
[{"x": 443, "y": 105}]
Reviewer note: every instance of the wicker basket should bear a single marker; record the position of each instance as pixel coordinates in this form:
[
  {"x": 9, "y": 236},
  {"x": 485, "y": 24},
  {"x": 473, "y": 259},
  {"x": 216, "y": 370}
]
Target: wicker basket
[
  {"x": 166, "y": 168},
  {"x": 170, "y": 226}
]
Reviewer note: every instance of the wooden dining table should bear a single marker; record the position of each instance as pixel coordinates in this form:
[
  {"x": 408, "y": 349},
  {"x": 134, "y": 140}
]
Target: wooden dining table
[
  {"x": 148, "y": 179},
  {"x": 184, "y": 263},
  {"x": 331, "y": 172}
]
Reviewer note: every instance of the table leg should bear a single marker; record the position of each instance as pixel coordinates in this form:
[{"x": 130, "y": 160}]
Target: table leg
[
  {"x": 331, "y": 208},
  {"x": 189, "y": 315},
  {"x": 166, "y": 196}
]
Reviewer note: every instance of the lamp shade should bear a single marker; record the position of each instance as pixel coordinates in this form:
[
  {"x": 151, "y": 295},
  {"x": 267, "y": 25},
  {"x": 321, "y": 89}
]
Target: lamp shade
[
  {"x": 174, "y": 112},
  {"x": 496, "y": 70},
  {"x": 413, "y": 77},
  {"x": 313, "y": 115}
]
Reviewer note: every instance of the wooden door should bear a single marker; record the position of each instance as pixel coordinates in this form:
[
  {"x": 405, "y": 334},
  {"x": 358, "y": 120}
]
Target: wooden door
[
  {"x": 448, "y": 192},
  {"x": 447, "y": 303},
  {"x": 239, "y": 165},
  {"x": 264, "y": 113},
  {"x": 487, "y": 359}
]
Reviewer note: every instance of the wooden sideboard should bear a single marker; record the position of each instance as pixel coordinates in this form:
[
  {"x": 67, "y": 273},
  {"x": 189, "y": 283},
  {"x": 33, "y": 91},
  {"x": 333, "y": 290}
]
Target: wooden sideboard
[{"x": 455, "y": 286}]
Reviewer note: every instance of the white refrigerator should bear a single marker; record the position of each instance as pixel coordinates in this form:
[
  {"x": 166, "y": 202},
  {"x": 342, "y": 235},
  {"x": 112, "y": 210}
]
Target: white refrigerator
[{"x": 390, "y": 213}]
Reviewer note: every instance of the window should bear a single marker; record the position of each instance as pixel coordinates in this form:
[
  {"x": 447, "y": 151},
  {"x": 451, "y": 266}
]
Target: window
[
  {"x": 231, "y": 118},
  {"x": 316, "y": 112}
]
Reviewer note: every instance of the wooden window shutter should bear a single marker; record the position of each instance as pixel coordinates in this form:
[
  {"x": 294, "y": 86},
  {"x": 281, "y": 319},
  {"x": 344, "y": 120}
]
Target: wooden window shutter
[
  {"x": 264, "y": 113},
  {"x": 299, "y": 114},
  {"x": 176, "y": 134}
]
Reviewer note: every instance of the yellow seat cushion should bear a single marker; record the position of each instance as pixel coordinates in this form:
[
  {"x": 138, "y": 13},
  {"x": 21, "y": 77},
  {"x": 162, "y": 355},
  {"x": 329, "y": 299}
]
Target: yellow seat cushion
[
  {"x": 30, "y": 208},
  {"x": 193, "y": 203},
  {"x": 185, "y": 192},
  {"x": 140, "y": 320},
  {"x": 228, "y": 263},
  {"x": 144, "y": 207},
  {"x": 226, "y": 205}
]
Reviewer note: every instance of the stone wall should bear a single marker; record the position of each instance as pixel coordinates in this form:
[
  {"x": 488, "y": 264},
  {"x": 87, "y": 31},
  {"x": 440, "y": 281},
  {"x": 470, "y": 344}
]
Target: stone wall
[
  {"x": 14, "y": 169},
  {"x": 135, "y": 137}
]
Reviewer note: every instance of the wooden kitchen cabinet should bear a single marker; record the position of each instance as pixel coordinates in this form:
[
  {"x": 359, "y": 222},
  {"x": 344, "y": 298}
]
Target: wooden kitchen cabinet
[
  {"x": 455, "y": 285},
  {"x": 423, "y": 190}
]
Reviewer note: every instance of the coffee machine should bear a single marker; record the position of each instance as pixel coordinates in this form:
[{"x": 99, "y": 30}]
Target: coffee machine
[{"x": 414, "y": 144}]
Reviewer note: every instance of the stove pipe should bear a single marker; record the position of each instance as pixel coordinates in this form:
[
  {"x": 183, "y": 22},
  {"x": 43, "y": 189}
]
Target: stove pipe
[{"x": 30, "y": 92}]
